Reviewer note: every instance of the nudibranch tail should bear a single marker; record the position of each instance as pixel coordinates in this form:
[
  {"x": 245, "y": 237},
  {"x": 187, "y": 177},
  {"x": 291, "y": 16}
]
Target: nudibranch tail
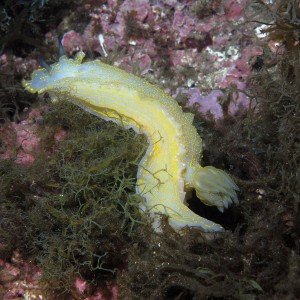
[{"x": 171, "y": 164}]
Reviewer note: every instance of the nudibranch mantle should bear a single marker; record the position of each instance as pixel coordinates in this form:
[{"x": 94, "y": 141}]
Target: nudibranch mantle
[{"x": 170, "y": 166}]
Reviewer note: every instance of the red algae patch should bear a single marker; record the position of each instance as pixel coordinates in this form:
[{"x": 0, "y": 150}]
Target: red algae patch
[{"x": 21, "y": 141}]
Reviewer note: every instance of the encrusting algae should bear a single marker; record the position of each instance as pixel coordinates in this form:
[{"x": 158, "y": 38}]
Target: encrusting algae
[{"x": 170, "y": 166}]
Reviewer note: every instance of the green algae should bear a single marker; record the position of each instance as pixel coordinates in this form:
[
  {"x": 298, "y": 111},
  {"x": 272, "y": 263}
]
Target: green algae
[
  {"x": 75, "y": 214},
  {"x": 74, "y": 208}
]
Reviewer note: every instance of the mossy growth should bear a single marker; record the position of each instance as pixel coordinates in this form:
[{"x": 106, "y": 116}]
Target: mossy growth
[
  {"x": 259, "y": 257},
  {"x": 23, "y": 24},
  {"x": 74, "y": 209},
  {"x": 12, "y": 100},
  {"x": 261, "y": 148},
  {"x": 280, "y": 17}
]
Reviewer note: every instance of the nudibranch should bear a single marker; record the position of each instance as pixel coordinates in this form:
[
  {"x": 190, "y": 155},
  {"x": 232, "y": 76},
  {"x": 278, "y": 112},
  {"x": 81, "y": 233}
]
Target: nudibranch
[{"x": 170, "y": 166}]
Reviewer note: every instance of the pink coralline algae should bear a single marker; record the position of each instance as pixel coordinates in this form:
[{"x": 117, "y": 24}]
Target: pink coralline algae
[
  {"x": 207, "y": 45},
  {"x": 235, "y": 9},
  {"x": 111, "y": 18},
  {"x": 21, "y": 141},
  {"x": 82, "y": 286},
  {"x": 210, "y": 105},
  {"x": 19, "y": 279}
]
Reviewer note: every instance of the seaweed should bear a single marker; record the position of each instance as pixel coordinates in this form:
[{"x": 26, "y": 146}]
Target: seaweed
[
  {"x": 74, "y": 211},
  {"x": 76, "y": 214},
  {"x": 259, "y": 258},
  {"x": 281, "y": 20},
  {"x": 24, "y": 23},
  {"x": 12, "y": 100}
]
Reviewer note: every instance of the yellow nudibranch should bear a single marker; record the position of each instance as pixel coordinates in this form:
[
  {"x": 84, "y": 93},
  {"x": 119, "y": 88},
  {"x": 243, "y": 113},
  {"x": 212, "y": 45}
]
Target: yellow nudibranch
[{"x": 170, "y": 166}]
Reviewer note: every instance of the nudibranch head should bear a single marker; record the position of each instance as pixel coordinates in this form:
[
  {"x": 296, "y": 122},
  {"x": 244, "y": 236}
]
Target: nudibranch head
[{"x": 43, "y": 79}]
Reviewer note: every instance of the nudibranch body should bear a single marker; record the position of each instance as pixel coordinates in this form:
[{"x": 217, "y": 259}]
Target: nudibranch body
[{"x": 170, "y": 166}]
